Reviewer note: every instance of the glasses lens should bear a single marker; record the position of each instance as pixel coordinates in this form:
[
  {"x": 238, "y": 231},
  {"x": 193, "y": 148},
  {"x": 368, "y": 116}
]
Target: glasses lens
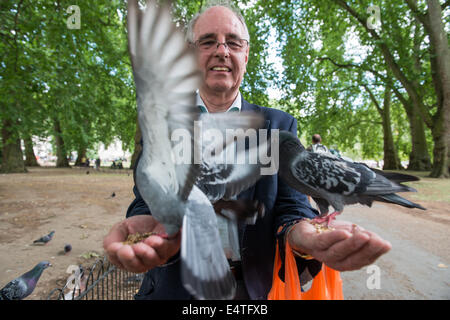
[
  {"x": 207, "y": 44},
  {"x": 210, "y": 44},
  {"x": 235, "y": 44}
]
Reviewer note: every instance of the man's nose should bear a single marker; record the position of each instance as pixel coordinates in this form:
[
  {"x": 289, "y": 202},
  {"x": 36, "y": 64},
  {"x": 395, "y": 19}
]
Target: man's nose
[{"x": 222, "y": 49}]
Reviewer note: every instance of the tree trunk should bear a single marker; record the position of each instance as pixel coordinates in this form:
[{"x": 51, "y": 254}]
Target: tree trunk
[
  {"x": 30, "y": 157},
  {"x": 12, "y": 156},
  {"x": 441, "y": 80},
  {"x": 441, "y": 150},
  {"x": 81, "y": 153},
  {"x": 61, "y": 154},
  {"x": 391, "y": 160},
  {"x": 419, "y": 159},
  {"x": 137, "y": 145}
]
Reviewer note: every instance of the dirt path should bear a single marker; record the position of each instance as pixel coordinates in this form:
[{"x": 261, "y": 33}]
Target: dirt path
[
  {"x": 79, "y": 208},
  {"x": 417, "y": 267}
]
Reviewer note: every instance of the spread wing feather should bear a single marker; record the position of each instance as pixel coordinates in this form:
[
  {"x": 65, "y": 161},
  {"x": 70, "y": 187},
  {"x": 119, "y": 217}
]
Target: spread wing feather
[
  {"x": 229, "y": 166},
  {"x": 166, "y": 77}
]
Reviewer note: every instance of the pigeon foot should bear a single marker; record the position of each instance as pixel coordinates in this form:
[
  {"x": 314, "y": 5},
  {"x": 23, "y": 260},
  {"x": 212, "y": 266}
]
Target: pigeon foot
[{"x": 327, "y": 219}]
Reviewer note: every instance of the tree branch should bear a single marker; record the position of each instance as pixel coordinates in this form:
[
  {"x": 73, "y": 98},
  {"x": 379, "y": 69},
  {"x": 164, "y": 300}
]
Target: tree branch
[
  {"x": 392, "y": 64},
  {"x": 422, "y": 17},
  {"x": 374, "y": 99},
  {"x": 346, "y": 65},
  {"x": 402, "y": 99}
]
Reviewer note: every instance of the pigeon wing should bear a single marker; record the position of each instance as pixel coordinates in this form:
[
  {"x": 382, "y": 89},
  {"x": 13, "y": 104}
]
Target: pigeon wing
[
  {"x": 14, "y": 290},
  {"x": 224, "y": 181},
  {"x": 166, "y": 76},
  {"x": 338, "y": 177},
  {"x": 330, "y": 174},
  {"x": 228, "y": 165}
]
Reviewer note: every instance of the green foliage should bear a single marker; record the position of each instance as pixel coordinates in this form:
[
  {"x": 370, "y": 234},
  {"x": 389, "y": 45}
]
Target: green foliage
[
  {"x": 79, "y": 77},
  {"x": 82, "y": 77},
  {"x": 330, "y": 59}
]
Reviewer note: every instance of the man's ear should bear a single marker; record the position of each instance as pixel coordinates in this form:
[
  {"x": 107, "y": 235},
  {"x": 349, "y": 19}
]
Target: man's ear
[{"x": 247, "y": 52}]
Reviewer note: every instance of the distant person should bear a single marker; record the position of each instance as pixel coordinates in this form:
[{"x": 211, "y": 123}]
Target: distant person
[
  {"x": 317, "y": 145},
  {"x": 97, "y": 163}
]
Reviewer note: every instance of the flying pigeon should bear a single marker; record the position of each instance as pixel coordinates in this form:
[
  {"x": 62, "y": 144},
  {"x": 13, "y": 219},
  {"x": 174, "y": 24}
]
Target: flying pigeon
[
  {"x": 24, "y": 285},
  {"x": 166, "y": 76},
  {"x": 221, "y": 179},
  {"x": 334, "y": 181},
  {"x": 45, "y": 239}
]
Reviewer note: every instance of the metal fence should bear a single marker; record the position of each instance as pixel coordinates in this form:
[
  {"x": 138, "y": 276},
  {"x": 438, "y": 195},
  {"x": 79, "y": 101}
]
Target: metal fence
[{"x": 101, "y": 281}]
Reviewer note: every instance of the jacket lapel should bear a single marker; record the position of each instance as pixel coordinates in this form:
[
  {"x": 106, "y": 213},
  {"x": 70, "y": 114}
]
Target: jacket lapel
[{"x": 245, "y": 106}]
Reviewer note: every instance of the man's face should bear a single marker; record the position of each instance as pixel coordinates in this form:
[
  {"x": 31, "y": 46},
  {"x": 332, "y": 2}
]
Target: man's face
[{"x": 223, "y": 69}]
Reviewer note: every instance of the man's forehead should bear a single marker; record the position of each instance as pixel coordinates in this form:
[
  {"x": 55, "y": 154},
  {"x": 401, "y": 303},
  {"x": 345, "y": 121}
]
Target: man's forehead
[
  {"x": 219, "y": 20},
  {"x": 208, "y": 35}
]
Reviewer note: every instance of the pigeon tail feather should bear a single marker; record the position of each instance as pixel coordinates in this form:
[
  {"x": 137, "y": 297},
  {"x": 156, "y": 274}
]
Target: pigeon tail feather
[
  {"x": 205, "y": 270},
  {"x": 396, "y": 199}
]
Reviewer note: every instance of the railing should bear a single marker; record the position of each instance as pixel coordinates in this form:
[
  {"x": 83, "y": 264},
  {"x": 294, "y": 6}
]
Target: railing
[{"x": 101, "y": 281}]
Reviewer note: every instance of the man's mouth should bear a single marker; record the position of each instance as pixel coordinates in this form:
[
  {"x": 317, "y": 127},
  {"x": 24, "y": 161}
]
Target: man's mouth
[{"x": 226, "y": 69}]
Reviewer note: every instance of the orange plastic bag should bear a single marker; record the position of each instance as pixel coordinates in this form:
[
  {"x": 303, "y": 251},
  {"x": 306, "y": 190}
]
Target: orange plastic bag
[{"x": 326, "y": 285}]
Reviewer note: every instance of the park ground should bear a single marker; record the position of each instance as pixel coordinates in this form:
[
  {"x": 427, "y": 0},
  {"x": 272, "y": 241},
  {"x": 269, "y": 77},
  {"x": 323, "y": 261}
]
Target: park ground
[{"x": 77, "y": 203}]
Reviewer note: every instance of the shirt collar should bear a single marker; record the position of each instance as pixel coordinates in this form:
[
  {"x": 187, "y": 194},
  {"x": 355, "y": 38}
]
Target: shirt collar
[{"x": 235, "y": 106}]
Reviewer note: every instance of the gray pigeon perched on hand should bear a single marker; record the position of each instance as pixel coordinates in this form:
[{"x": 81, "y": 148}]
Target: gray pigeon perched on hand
[
  {"x": 334, "y": 181},
  {"x": 166, "y": 76},
  {"x": 45, "y": 239},
  {"x": 24, "y": 285}
]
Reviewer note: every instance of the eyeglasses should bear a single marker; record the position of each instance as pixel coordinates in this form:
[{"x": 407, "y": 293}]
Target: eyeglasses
[{"x": 235, "y": 45}]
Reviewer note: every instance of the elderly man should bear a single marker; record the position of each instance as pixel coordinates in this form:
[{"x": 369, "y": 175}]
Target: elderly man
[{"x": 221, "y": 37}]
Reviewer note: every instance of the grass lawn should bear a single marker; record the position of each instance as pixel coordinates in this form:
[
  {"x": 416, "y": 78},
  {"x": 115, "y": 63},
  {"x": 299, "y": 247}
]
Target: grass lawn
[{"x": 428, "y": 189}]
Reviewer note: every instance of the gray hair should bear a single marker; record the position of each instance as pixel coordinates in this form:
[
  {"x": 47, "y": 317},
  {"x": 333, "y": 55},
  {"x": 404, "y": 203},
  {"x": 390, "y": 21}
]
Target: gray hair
[{"x": 215, "y": 3}]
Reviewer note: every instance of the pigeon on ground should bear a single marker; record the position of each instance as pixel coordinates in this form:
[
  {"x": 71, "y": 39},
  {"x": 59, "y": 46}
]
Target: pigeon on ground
[
  {"x": 334, "y": 181},
  {"x": 67, "y": 248},
  {"x": 111, "y": 196},
  {"x": 45, "y": 239},
  {"x": 24, "y": 285},
  {"x": 166, "y": 76}
]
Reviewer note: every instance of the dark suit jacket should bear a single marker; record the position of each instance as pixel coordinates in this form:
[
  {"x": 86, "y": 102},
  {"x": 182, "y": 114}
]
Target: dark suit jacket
[{"x": 283, "y": 205}]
